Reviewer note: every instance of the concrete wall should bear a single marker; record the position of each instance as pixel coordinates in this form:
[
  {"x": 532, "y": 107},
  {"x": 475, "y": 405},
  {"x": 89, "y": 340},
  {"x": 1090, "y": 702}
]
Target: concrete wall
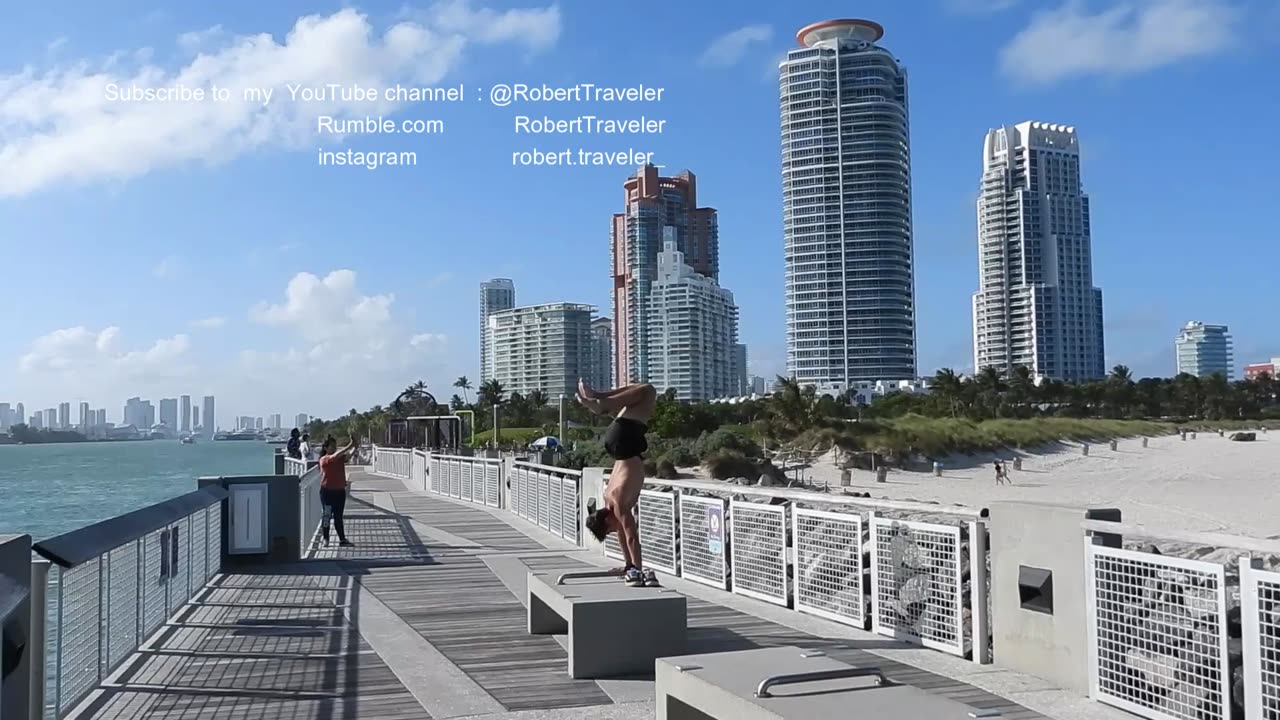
[
  {"x": 15, "y": 585},
  {"x": 284, "y": 543},
  {"x": 1045, "y": 537}
]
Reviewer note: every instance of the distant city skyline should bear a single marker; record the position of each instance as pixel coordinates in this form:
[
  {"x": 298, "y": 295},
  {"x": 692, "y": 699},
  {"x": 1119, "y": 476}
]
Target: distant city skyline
[{"x": 175, "y": 412}]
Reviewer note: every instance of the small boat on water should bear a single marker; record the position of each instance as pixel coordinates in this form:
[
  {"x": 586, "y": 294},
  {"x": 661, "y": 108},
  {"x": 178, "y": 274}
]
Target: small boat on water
[{"x": 188, "y": 440}]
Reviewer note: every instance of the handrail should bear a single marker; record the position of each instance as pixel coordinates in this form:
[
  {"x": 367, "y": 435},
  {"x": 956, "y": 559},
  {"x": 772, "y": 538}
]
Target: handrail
[
  {"x": 471, "y": 458},
  {"x": 87, "y": 543},
  {"x": 1237, "y": 542},
  {"x": 804, "y": 497},
  {"x": 585, "y": 574},
  {"x": 762, "y": 691},
  {"x": 548, "y": 468}
]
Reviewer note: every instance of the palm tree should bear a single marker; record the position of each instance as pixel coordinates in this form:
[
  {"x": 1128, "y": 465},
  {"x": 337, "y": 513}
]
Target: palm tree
[
  {"x": 491, "y": 393},
  {"x": 464, "y": 385},
  {"x": 1120, "y": 390},
  {"x": 1022, "y": 388},
  {"x": 990, "y": 386},
  {"x": 948, "y": 386},
  {"x": 537, "y": 398}
]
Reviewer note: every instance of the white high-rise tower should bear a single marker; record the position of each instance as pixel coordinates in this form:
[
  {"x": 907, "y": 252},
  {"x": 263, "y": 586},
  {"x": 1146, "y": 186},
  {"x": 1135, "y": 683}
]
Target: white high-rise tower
[
  {"x": 1036, "y": 305},
  {"x": 495, "y": 295},
  {"x": 846, "y": 204}
]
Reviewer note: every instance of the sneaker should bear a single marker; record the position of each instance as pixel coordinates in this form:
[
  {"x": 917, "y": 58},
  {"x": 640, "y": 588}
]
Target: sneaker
[
  {"x": 650, "y": 579},
  {"x": 633, "y": 578},
  {"x": 347, "y": 543}
]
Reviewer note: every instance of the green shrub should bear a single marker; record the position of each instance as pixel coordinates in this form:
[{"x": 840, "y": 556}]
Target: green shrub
[
  {"x": 726, "y": 464},
  {"x": 681, "y": 455},
  {"x": 666, "y": 470},
  {"x": 724, "y": 439}
]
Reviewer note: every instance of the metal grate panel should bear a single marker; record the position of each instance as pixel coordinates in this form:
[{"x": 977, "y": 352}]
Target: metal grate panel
[
  {"x": 828, "y": 565},
  {"x": 759, "y": 551},
  {"x": 916, "y": 585},
  {"x": 154, "y": 602},
  {"x": 79, "y": 622},
  {"x": 570, "y": 509},
  {"x": 555, "y": 509},
  {"x": 1157, "y": 634},
  {"x": 492, "y": 484},
  {"x": 199, "y": 557},
  {"x": 544, "y": 496},
  {"x": 213, "y": 547},
  {"x": 657, "y": 518},
  {"x": 120, "y": 634},
  {"x": 702, "y": 541},
  {"x": 1260, "y": 613},
  {"x": 468, "y": 491}
]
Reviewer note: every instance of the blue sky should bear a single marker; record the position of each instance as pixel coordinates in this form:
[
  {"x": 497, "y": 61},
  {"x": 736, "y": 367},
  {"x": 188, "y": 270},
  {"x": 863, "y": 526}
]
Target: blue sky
[{"x": 198, "y": 247}]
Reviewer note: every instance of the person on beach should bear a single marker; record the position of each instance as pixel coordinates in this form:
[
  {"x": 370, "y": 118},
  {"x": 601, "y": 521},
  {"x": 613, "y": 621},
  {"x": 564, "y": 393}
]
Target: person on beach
[
  {"x": 333, "y": 487},
  {"x": 625, "y": 442},
  {"x": 999, "y": 472},
  {"x": 293, "y": 447}
]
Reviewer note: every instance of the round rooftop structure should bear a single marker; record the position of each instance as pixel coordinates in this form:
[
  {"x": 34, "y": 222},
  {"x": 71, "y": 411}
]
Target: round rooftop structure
[{"x": 853, "y": 29}]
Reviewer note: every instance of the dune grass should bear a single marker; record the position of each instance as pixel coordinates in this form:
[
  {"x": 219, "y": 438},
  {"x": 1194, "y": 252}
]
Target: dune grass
[
  {"x": 938, "y": 437},
  {"x": 519, "y": 436}
]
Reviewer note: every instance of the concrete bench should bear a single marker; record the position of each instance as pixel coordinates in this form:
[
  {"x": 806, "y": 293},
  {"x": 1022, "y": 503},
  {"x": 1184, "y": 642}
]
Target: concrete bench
[
  {"x": 613, "y": 630},
  {"x": 788, "y": 683}
]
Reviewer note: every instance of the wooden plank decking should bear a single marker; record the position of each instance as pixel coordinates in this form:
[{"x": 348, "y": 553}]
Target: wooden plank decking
[{"x": 277, "y": 643}]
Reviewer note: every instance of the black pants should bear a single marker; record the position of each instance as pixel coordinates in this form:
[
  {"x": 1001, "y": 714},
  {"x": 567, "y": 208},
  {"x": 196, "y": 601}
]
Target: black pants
[{"x": 336, "y": 501}]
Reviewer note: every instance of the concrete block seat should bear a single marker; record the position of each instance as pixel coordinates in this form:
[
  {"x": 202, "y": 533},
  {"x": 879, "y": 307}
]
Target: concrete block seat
[
  {"x": 788, "y": 683},
  {"x": 613, "y": 630}
]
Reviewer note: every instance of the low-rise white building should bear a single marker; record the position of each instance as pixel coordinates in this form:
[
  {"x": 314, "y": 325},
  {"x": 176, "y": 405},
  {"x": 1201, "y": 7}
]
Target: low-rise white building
[{"x": 544, "y": 347}]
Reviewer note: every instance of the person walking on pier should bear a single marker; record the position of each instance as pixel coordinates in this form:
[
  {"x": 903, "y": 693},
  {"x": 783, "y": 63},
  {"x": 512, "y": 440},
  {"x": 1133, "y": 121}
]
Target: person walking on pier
[
  {"x": 333, "y": 487},
  {"x": 625, "y": 442},
  {"x": 294, "y": 447}
]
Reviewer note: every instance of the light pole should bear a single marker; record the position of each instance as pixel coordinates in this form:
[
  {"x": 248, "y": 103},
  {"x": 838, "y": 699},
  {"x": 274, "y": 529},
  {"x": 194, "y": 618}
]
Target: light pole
[{"x": 561, "y": 437}]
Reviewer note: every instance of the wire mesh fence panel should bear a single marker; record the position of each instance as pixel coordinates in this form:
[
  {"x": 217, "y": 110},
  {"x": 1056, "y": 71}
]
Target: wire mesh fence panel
[
  {"x": 120, "y": 636},
  {"x": 544, "y": 500},
  {"x": 828, "y": 565},
  {"x": 1157, "y": 634},
  {"x": 916, "y": 583},
  {"x": 78, "y": 632},
  {"x": 570, "y": 510},
  {"x": 213, "y": 546},
  {"x": 703, "y": 540},
  {"x": 154, "y": 603},
  {"x": 657, "y": 519},
  {"x": 1260, "y": 613},
  {"x": 758, "y": 551}
]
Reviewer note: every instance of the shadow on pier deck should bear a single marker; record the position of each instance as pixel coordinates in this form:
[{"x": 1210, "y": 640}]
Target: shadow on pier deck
[{"x": 423, "y": 618}]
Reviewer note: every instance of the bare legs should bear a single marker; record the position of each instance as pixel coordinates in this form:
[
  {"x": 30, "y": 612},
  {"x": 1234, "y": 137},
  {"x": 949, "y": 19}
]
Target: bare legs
[
  {"x": 639, "y": 399},
  {"x": 625, "y": 482}
]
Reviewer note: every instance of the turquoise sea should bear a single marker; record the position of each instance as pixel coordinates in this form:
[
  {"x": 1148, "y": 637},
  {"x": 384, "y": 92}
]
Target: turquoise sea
[{"x": 50, "y": 489}]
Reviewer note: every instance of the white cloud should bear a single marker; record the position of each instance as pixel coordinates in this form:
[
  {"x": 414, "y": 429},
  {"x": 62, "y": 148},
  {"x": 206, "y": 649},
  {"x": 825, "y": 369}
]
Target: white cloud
[
  {"x": 77, "y": 361},
  {"x": 166, "y": 268},
  {"x": 438, "y": 280},
  {"x": 730, "y": 48},
  {"x": 58, "y": 126},
  {"x": 56, "y": 44},
  {"x": 1124, "y": 39},
  {"x": 209, "y": 322},
  {"x": 197, "y": 40}
]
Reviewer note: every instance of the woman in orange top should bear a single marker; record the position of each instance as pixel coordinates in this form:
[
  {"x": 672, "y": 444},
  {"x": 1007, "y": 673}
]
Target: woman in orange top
[{"x": 333, "y": 487}]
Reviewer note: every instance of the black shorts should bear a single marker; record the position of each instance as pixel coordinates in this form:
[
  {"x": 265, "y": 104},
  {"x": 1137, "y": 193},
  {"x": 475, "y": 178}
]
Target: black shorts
[{"x": 625, "y": 439}]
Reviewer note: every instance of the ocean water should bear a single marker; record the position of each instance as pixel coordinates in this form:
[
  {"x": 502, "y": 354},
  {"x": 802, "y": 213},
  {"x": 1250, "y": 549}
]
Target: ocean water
[{"x": 46, "y": 490}]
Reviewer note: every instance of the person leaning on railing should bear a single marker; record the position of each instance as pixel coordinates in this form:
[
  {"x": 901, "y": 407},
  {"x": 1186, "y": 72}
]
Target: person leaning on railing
[{"x": 333, "y": 487}]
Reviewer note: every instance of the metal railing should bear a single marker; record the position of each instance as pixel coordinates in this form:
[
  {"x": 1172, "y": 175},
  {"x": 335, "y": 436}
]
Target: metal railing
[
  {"x": 474, "y": 479},
  {"x": 419, "y": 476},
  {"x": 549, "y": 497},
  {"x": 1161, "y": 627},
  {"x": 296, "y": 466},
  {"x": 310, "y": 509},
  {"x": 102, "y": 590},
  {"x": 392, "y": 462}
]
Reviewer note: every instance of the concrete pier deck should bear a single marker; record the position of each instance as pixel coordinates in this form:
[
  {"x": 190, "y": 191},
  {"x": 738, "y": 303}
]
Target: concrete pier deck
[{"x": 424, "y": 618}]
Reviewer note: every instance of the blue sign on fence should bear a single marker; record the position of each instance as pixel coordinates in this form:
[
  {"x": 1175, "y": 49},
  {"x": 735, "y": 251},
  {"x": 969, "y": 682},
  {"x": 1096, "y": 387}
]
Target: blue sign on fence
[{"x": 715, "y": 529}]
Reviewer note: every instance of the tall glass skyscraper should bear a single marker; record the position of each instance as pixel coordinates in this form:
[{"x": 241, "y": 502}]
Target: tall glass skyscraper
[
  {"x": 846, "y": 203},
  {"x": 495, "y": 295}
]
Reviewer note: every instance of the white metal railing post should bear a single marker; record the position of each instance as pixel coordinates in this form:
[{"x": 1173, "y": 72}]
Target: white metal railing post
[
  {"x": 978, "y": 592},
  {"x": 1251, "y": 632},
  {"x": 36, "y": 643},
  {"x": 58, "y": 660},
  {"x": 104, "y": 611}
]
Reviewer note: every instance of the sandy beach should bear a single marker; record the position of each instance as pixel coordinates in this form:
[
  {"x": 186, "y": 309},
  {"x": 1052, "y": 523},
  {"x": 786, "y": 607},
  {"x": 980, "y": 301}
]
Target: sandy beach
[{"x": 1206, "y": 484}]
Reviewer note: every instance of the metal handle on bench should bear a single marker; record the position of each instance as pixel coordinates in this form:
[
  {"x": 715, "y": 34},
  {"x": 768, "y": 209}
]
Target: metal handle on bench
[
  {"x": 584, "y": 574},
  {"x": 838, "y": 674}
]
